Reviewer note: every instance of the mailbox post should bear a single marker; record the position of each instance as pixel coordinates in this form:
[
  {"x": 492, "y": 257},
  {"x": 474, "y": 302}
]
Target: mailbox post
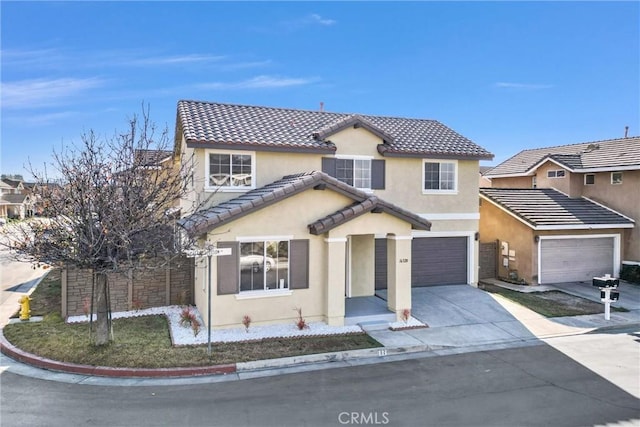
[
  {"x": 608, "y": 292},
  {"x": 209, "y": 251}
]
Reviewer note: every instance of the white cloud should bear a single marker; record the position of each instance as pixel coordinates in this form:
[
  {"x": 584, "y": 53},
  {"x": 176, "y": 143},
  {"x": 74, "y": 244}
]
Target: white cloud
[
  {"x": 41, "y": 119},
  {"x": 259, "y": 82},
  {"x": 173, "y": 60},
  {"x": 528, "y": 86},
  {"x": 36, "y": 93},
  {"x": 315, "y": 18}
]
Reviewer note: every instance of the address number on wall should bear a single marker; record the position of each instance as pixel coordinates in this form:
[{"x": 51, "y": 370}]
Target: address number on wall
[{"x": 403, "y": 260}]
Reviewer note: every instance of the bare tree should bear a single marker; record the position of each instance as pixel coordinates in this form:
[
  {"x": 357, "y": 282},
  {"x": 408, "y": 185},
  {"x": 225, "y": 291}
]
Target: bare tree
[{"x": 113, "y": 210}]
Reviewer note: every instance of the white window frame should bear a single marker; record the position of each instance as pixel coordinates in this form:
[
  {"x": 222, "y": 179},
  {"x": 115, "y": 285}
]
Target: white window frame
[
  {"x": 589, "y": 174},
  {"x": 615, "y": 181},
  {"x": 455, "y": 177},
  {"x": 368, "y": 159},
  {"x": 230, "y": 189},
  {"x": 556, "y": 174}
]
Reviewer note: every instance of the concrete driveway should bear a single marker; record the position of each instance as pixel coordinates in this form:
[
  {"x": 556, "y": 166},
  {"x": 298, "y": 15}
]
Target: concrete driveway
[
  {"x": 465, "y": 316},
  {"x": 457, "y": 316}
]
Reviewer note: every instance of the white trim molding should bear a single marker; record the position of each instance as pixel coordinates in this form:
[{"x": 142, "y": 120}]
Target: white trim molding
[
  {"x": 450, "y": 216},
  {"x": 336, "y": 240},
  {"x": 264, "y": 294},
  {"x": 263, "y": 238}
]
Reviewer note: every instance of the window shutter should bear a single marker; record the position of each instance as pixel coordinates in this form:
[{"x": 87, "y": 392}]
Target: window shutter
[
  {"x": 299, "y": 264},
  {"x": 377, "y": 174},
  {"x": 329, "y": 166},
  {"x": 228, "y": 266}
]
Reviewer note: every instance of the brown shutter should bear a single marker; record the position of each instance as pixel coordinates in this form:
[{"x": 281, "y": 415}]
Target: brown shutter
[
  {"x": 329, "y": 166},
  {"x": 377, "y": 174},
  {"x": 299, "y": 264},
  {"x": 228, "y": 267}
]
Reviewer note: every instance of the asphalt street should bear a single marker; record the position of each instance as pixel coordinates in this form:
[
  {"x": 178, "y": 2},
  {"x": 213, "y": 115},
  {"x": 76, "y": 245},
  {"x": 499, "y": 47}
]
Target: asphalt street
[{"x": 529, "y": 386}]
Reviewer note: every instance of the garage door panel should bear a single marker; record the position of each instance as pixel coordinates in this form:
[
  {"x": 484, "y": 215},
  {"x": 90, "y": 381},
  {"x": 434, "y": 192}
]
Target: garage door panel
[
  {"x": 438, "y": 261},
  {"x": 575, "y": 260}
]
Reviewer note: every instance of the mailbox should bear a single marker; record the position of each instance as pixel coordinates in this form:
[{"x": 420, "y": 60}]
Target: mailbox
[
  {"x": 613, "y": 295},
  {"x": 606, "y": 282}
]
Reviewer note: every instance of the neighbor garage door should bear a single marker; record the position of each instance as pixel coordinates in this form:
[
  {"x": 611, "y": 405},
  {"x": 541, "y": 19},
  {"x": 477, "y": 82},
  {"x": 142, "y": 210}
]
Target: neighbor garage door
[
  {"x": 575, "y": 260},
  {"x": 438, "y": 261}
]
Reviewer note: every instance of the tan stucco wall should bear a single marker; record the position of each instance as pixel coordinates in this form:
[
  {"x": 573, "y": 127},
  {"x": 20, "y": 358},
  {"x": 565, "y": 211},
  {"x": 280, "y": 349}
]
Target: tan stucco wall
[
  {"x": 403, "y": 175},
  {"x": 515, "y": 182},
  {"x": 324, "y": 299},
  {"x": 624, "y": 198}
]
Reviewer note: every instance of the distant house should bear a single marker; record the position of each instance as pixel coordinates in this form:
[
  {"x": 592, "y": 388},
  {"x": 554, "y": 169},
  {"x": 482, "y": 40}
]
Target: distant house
[
  {"x": 318, "y": 210},
  {"x": 565, "y": 213},
  {"x": 14, "y": 200}
]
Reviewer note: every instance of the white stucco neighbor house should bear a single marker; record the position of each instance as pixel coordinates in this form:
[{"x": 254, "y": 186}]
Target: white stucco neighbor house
[{"x": 321, "y": 210}]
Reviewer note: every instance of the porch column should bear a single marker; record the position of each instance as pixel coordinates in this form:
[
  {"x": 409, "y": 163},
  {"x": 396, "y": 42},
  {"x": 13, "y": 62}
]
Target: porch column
[
  {"x": 336, "y": 276},
  {"x": 399, "y": 274}
]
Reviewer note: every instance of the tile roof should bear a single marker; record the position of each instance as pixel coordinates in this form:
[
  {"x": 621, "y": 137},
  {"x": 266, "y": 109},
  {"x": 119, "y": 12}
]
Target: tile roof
[
  {"x": 611, "y": 154},
  {"x": 14, "y": 199},
  {"x": 152, "y": 157},
  {"x": 206, "y": 220},
  {"x": 544, "y": 208},
  {"x": 229, "y": 125}
]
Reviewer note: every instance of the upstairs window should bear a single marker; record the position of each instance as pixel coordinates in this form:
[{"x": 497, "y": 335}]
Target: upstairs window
[
  {"x": 355, "y": 172},
  {"x": 616, "y": 178},
  {"x": 555, "y": 173},
  {"x": 440, "y": 177},
  {"x": 589, "y": 179},
  {"x": 360, "y": 172},
  {"x": 230, "y": 171}
]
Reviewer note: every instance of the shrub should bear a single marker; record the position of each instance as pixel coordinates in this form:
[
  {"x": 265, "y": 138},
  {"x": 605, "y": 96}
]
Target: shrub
[
  {"x": 301, "y": 323},
  {"x": 246, "y": 321},
  {"x": 630, "y": 273},
  {"x": 187, "y": 317},
  {"x": 405, "y": 315}
]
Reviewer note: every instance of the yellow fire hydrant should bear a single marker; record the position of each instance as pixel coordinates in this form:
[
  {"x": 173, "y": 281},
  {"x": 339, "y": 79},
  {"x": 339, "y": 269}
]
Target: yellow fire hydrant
[{"x": 25, "y": 308}]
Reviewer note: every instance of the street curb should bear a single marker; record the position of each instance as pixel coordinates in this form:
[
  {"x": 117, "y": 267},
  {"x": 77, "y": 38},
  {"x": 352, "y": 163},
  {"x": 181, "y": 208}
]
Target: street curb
[
  {"x": 14, "y": 352},
  {"x": 338, "y": 356}
]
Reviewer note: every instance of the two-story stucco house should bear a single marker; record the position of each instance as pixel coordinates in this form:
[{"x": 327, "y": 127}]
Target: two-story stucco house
[
  {"x": 565, "y": 213},
  {"x": 318, "y": 209}
]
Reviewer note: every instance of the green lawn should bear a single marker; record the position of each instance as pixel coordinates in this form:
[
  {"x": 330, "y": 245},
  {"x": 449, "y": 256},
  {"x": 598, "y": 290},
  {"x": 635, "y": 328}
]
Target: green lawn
[{"x": 144, "y": 342}]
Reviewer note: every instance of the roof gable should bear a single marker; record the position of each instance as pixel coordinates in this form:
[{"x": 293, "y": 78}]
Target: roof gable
[
  {"x": 613, "y": 154},
  {"x": 206, "y": 220},
  {"x": 356, "y": 121},
  {"x": 546, "y": 208},
  {"x": 215, "y": 125}
]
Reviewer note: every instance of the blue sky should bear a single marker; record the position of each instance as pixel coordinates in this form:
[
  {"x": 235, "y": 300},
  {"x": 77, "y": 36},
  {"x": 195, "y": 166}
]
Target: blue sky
[{"x": 507, "y": 75}]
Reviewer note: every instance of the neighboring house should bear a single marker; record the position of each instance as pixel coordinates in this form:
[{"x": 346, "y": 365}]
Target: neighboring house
[
  {"x": 483, "y": 180},
  {"x": 317, "y": 208},
  {"x": 565, "y": 213},
  {"x": 14, "y": 202}
]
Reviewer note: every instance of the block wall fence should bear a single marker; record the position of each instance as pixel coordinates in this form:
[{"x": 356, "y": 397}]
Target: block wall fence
[{"x": 152, "y": 287}]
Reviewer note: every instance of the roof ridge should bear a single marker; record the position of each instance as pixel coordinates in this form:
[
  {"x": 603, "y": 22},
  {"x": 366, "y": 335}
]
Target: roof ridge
[{"x": 578, "y": 143}]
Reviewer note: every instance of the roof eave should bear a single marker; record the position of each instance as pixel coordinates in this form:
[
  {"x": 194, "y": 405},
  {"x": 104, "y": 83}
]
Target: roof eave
[
  {"x": 330, "y": 147},
  {"x": 387, "y": 151}
]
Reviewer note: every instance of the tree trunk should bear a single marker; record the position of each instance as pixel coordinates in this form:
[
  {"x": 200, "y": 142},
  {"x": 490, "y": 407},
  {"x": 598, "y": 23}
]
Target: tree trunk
[{"x": 102, "y": 310}]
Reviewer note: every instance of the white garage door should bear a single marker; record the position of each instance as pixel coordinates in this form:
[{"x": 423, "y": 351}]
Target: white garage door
[{"x": 575, "y": 260}]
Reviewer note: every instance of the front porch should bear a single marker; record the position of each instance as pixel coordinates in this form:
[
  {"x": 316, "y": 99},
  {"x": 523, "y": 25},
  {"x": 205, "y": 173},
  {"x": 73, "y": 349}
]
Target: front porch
[{"x": 367, "y": 310}]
